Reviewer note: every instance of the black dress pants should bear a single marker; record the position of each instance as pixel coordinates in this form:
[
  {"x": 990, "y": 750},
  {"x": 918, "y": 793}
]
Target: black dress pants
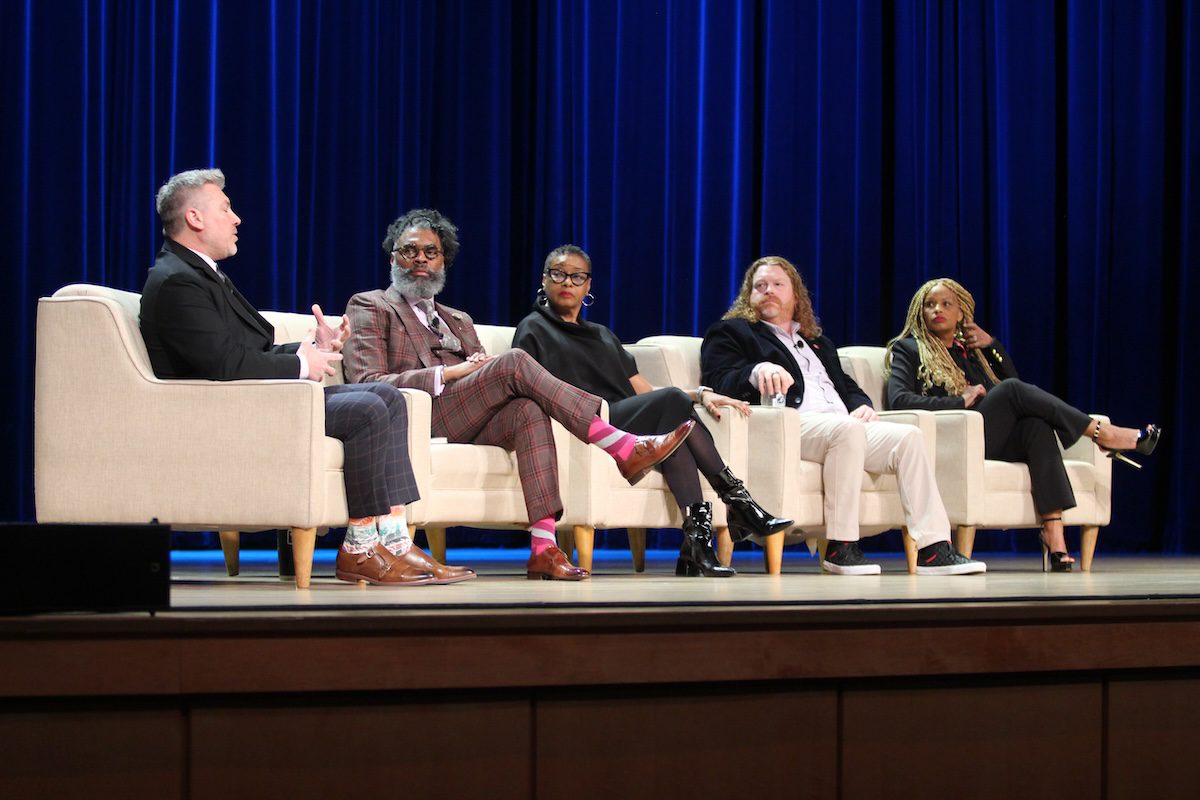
[{"x": 1020, "y": 423}]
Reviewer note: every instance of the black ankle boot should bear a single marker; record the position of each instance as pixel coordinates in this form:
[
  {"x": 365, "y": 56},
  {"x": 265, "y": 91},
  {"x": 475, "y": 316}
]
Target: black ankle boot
[
  {"x": 696, "y": 556},
  {"x": 746, "y": 518}
]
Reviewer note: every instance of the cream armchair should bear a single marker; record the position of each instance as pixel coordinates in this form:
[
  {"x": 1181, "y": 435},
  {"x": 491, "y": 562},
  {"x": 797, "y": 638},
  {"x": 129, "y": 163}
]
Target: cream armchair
[
  {"x": 764, "y": 439},
  {"x": 982, "y": 493},
  {"x": 781, "y": 480},
  {"x": 115, "y": 444}
]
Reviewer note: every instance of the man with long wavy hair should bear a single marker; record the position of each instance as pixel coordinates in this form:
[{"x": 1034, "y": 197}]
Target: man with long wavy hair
[{"x": 770, "y": 343}]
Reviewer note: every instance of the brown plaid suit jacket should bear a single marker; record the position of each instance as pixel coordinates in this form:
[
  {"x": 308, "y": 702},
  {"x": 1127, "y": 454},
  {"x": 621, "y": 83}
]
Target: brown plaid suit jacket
[{"x": 389, "y": 344}]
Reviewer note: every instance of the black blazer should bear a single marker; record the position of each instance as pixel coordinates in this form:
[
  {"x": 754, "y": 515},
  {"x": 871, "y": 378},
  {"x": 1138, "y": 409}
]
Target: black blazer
[
  {"x": 733, "y": 346},
  {"x": 904, "y": 389},
  {"x": 197, "y": 326}
]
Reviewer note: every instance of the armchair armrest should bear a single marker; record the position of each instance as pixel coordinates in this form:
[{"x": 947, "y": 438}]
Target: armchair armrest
[
  {"x": 420, "y": 435},
  {"x": 186, "y": 452},
  {"x": 1085, "y": 450},
  {"x": 731, "y": 433},
  {"x": 959, "y": 465},
  {"x": 774, "y": 451},
  {"x": 923, "y": 420}
]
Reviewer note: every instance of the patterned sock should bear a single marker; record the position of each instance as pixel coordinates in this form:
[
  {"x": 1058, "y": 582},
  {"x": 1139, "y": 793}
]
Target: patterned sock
[
  {"x": 541, "y": 535},
  {"x": 361, "y": 535},
  {"x": 614, "y": 441},
  {"x": 393, "y": 530}
]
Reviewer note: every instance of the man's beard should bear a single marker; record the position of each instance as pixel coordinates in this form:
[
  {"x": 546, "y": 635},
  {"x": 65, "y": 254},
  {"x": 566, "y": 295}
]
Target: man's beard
[
  {"x": 771, "y": 315},
  {"x": 409, "y": 286}
]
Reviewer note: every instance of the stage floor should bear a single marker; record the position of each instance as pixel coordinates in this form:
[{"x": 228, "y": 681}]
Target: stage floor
[{"x": 199, "y": 584}]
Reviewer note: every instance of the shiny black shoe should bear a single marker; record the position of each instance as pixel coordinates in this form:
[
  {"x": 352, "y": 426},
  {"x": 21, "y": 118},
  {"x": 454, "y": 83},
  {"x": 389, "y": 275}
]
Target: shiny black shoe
[
  {"x": 696, "y": 556},
  {"x": 1147, "y": 440},
  {"x": 745, "y": 517},
  {"x": 1053, "y": 561}
]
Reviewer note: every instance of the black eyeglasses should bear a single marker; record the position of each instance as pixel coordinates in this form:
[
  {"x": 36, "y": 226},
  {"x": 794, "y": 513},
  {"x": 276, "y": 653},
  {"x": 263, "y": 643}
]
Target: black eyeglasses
[
  {"x": 576, "y": 278},
  {"x": 409, "y": 251}
]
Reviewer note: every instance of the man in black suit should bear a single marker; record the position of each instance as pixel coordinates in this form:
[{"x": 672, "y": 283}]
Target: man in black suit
[
  {"x": 196, "y": 324},
  {"x": 770, "y": 343}
]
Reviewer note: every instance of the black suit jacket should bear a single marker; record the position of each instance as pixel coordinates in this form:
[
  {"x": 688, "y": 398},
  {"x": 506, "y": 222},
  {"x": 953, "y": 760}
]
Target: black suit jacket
[
  {"x": 904, "y": 388},
  {"x": 197, "y": 326},
  {"x": 733, "y": 346}
]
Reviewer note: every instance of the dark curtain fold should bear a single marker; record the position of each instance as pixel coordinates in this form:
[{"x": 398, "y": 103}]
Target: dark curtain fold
[{"x": 1044, "y": 153}]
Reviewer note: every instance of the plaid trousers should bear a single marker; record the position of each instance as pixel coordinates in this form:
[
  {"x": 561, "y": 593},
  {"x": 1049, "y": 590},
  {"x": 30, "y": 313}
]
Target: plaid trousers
[
  {"x": 509, "y": 402},
  {"x": 372, "y": 422}
]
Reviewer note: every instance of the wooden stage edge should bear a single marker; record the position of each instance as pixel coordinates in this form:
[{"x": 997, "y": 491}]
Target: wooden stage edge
[
  {"x": 193, "y": 653},
  {"x": 844, "y": 702}
]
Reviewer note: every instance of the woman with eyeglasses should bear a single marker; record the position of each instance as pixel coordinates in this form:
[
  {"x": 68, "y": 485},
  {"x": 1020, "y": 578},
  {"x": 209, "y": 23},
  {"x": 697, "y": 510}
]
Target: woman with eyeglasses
[{"x": 590, "y": 357}]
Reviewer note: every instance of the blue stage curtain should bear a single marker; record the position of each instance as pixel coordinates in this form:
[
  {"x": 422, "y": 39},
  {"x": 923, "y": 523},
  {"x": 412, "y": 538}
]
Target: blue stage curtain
[{"x": 1044, "y": 153}]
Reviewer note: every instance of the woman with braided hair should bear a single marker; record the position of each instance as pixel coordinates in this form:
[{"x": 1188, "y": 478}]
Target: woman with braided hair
[{"x": 943, "y": 359}]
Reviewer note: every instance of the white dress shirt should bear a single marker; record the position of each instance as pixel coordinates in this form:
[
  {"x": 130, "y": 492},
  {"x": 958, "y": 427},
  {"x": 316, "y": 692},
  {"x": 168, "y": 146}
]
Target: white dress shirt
[{"x": 820, "y": 395}]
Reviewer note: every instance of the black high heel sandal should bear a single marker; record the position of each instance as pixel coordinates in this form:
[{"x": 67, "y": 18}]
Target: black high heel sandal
[
  {"x": 1051, "y": 561},
  {"x": 1147, "y": 441}
]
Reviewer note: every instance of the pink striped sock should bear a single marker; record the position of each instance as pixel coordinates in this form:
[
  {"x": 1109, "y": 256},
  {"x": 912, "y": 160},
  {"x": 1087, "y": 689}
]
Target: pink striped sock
[
  {"x": 541, "y": 535},
  {"x": 614, "y": 441}
]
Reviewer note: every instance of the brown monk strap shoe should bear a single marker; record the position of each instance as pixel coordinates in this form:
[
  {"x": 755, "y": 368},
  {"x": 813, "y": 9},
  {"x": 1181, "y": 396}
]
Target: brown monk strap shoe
[
  {"x": 650, "y": 450},
  {"x": 552, "y": 565},
  {"x": 419, "y": 559},
  {"x": 380, "y": 567}
]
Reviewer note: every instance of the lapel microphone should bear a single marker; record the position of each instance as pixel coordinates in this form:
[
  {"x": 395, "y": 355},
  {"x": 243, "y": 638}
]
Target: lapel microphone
[{"x": 798, "y": 344}]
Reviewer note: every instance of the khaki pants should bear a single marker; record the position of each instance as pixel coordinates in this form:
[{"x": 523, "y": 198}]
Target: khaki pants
[{"x": 847, "y": 446}]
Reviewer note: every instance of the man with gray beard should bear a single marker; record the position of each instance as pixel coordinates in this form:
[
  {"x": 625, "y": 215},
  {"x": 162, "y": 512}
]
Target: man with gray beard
[{"x": 400, "y": 336}]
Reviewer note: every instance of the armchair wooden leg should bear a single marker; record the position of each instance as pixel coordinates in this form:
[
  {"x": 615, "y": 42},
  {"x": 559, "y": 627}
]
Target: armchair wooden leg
[
  {"x": 637, "y": 548},
  {"x": 436, "y": 538},
  {"x": 303, "y": 542},
  {"x": 822, "y": 549},
  {"x": 724, "y": 546},
  {"x": 566, "y": 542},
  {"x": 964, "y": 539},
  {"x": 231, "y": 542},
  {"x": 585, "y": 540},
  {"x": 773, "y": 553},
  {"x": 1087, "y": 546},
  {"x": 910, "y": 551},
  {"x": 231, "y": 547}
]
